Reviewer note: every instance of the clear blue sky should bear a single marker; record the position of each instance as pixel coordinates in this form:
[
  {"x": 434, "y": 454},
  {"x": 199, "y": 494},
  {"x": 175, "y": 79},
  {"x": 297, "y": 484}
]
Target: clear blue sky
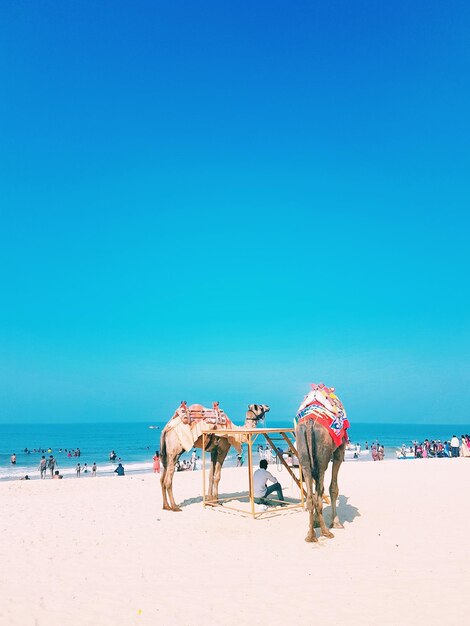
[{"x": 229, "y": 200}]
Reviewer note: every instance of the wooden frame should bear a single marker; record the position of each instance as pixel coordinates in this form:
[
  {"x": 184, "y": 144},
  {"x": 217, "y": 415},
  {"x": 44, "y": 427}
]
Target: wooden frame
[{"x": 271, "y": 435}]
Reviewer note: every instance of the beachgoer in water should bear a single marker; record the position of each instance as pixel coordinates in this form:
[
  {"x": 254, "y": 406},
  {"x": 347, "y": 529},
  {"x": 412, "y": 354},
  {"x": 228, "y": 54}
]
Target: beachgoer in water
[
  {"x": 373, "y": 450},
  {"x": 240, "y": 459},
  {"x": 193, "y": 460},
  {"x": 156, "y": 462},
  {"x": 13, "y": 459},
  {"x": 85, "y": 468},
  {"x": 25, "y": 477},
  {"x": 93, "y": 469},
  {"x": 381, "y": 452},
  {"x": 78, "y": 469},
  {"x": 260, "y": 487},
  {"x": 43, "y": 466},
  {"x": 119, "y": 470},
  {"x": 57, "y": 476},
  {"x": 112, "y": 456}
]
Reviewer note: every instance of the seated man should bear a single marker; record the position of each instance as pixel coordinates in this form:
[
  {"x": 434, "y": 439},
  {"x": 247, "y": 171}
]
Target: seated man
[
  {"x": 119, "y": 470},
  {"x": 260, "y": 478}
]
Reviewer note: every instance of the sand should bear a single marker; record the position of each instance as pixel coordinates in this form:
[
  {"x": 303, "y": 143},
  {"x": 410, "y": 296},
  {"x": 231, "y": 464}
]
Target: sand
[{"x": 99, "y": 551}]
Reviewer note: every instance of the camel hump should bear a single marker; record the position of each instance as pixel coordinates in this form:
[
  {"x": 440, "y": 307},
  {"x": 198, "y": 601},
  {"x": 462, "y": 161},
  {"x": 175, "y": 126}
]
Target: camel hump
[{"x": 196, "y": 407}]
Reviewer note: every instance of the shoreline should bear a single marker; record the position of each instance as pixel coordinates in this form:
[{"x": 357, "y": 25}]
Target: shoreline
[{"x": 146, "y": 468}]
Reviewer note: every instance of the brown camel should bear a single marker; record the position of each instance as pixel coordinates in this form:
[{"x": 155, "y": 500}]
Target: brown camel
[
  {"x": 171, "y": 449},
  {"x": 315, "y": 448}
]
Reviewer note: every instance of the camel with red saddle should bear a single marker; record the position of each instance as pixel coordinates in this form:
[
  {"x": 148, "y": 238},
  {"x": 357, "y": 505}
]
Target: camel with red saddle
[{"x": 184, "y": 431}]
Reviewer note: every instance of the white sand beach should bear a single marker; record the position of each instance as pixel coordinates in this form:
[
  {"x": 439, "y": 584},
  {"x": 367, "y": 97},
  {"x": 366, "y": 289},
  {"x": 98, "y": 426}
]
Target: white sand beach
[{"x": 102, "y": 552}]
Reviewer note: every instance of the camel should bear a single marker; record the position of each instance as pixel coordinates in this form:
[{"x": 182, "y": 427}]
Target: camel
[
  {"x": 171, "y": 449},
  {"x": 316, "y": 447}
]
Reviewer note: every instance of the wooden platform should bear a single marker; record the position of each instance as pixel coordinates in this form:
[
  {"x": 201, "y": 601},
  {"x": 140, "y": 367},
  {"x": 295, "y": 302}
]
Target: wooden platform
[{"x": 272, "y": 436}]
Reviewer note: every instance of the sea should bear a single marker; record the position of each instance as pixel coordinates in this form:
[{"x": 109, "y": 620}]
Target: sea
[{"x": 135, "y": 444}]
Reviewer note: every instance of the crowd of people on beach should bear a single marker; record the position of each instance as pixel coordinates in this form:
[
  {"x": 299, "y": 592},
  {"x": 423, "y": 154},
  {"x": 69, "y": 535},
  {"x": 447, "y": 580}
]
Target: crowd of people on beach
[
  {"x": 377, "y": 450},
  {"x": 432, "y": 448},
  {"x": 190, "y": 464}
]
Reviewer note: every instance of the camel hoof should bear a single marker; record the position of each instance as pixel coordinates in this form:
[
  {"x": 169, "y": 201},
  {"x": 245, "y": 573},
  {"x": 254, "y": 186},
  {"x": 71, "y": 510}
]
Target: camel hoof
[
  {"x": 176, "y": 509},
  {"x": 166, "y": 507},
  {"x": 336, "y": 525},
  {"x": 327, "y": 533},
  {"x": 311, "y": 538}
]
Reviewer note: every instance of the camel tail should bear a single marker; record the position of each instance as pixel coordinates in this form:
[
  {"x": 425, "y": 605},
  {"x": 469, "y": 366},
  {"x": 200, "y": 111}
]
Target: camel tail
[
  {"x": 305, "y": 437},
  {"x": 163, "y": 452},
  {"x": 310, "y": 439}
]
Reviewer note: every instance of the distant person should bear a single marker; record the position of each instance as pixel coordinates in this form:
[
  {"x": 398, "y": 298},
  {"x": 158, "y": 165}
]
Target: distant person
[
  {"x": 260, "y": 479},
  {"x": 57, "y": 476},
  {"x": 240, "y": 459},
  {"x": 51, "y": 464},
  {"x": 455, "y": 446},
  {"x": 156, "y": 462},
  {"x": 78, "y": 469},
  {"x": 43, "y": 466},
  {"x": 85, "y": 468},
  {"x": 375, "y": 455},
  {"x": 119, "y": 470},
  {"x": 367, "y": 445},
  {"x": 13, "y": 459},
  {"x": 381, "y": 452},
  {"x": 25, "y": 477},
  {"x": 465, "y": 448},
  {"x": 112, "y": 456},
  {"x": 268, "y": 455},
  {"x": 193, "y": 460},
  {"x": 93, "y": 469}
]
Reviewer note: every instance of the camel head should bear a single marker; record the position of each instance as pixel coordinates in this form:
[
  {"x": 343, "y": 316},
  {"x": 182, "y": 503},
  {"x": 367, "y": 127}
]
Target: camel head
[{"x": 255, "y": 413}]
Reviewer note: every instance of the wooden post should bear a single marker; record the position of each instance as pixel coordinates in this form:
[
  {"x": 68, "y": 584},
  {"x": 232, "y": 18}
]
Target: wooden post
[
  {"x": 204, "y": 469},
  {"x": 250, "y": 474}
]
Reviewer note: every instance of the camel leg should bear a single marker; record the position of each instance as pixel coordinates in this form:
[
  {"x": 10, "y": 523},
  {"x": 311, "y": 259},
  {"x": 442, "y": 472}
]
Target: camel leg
[
  {"x": 170, "y": 470},
  {"x": 166, "y": 506},
  {"x": 221, "y": 453},
  {"x": 318, "y": 500},
  {"x": 311, "y": 536},
  {"x": 338, "y": 458},
  {"x": 210, "y": 492}
]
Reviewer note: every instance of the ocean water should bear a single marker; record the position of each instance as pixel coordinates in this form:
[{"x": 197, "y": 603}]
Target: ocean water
[{"x": 135, "y": 443}]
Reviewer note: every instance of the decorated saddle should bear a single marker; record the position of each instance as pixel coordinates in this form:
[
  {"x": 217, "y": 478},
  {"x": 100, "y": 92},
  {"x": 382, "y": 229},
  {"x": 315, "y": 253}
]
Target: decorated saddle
[
  {"x": 189, "y": 422},
  {"x": 322, "y": 405},
  {"x": 197, "y": 412}
]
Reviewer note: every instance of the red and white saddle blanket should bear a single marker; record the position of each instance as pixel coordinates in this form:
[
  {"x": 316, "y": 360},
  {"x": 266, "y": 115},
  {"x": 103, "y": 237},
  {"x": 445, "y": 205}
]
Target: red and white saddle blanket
[{"x": 322, "y": 405}]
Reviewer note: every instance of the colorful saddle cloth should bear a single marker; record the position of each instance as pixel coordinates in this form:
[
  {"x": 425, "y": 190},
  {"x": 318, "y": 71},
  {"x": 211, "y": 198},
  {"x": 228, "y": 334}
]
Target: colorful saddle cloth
[{"x": 322, "y": 405}]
